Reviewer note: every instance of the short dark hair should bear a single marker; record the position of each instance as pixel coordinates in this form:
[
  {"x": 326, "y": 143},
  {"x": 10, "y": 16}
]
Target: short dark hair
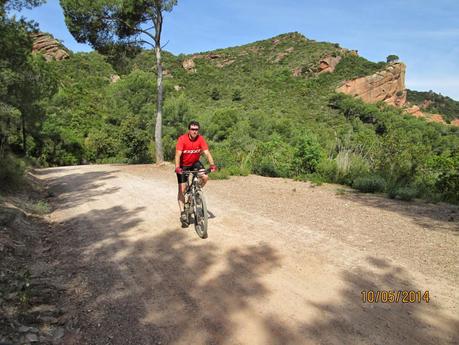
[{"x": 196, "y": 123}]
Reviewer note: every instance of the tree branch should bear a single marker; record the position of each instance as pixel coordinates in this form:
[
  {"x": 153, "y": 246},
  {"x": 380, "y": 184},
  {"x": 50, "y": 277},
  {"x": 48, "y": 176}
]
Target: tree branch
[
  {"x": 149, "y": 43},
  {"x": 130, "y": 26},
  {"x": 165, "y": 44}
]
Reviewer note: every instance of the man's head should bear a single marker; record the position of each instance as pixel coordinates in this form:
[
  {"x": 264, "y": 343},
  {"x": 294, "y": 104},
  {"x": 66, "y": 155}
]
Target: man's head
[{"x": 193, "y": 129}]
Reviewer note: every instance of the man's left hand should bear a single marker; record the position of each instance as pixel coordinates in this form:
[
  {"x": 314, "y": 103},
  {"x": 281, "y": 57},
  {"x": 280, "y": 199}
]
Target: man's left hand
[{"x": 213, "y": 168}]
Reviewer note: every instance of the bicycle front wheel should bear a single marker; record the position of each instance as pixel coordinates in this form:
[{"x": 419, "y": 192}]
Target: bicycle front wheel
[{"x": 200, "y": 215}]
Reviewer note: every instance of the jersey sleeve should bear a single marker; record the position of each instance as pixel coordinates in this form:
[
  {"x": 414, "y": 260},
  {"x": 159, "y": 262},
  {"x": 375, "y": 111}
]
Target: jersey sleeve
[
  {"x": 204, "y": 145},
  {"x": 180, "y": 144}
]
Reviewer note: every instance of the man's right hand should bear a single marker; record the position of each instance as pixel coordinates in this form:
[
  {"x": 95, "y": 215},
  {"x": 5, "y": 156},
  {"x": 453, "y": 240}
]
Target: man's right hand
[{"x": 179, "y": 170}]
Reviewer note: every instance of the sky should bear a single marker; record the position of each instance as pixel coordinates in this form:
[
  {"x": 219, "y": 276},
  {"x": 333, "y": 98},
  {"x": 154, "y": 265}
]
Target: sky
[{"x": 423, "y": 33}]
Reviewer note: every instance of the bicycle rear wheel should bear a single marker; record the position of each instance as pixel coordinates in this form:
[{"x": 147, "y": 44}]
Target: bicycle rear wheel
[{"x": 200, "y": 214}]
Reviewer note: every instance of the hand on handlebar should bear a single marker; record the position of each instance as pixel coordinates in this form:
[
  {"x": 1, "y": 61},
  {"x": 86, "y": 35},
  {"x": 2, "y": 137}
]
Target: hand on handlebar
[
  {"x": 213, "y": 168},
  {"x": 179, "y": 170}
]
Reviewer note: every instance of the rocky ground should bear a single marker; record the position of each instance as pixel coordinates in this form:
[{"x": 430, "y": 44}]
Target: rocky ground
[{"x": 30, "y": 289}]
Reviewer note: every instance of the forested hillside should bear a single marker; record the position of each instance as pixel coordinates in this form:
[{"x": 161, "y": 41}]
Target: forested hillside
[
  {"x": 264, "y": 108},
  {"x": 435, "y": 103}
]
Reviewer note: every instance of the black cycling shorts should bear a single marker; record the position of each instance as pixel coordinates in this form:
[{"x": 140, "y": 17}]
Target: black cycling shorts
[{"x": 196, "y": 166}]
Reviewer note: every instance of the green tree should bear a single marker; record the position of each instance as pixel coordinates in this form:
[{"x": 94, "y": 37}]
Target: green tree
[
  {"x": 215, "y": 94},
  {"x": 236, "y": 95},
  {"x": 18, "y": 5},
  {"x": 308, "y": 154},
  {"x": 105, "y": 23},
  {"x": 392, "y": 58},
  {"x": 25, "y": 79}
]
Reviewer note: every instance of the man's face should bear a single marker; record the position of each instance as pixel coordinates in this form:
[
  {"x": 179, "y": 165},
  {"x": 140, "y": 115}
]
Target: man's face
[{"x": 193, "y": 131}]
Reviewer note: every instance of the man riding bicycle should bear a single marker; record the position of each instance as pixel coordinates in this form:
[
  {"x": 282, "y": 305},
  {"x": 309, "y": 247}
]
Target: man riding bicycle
[{"x": 187, "y": 152}]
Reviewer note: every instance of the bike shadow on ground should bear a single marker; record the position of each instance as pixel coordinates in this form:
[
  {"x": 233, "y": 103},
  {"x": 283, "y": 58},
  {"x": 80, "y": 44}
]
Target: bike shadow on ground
[{"x": 211, "y": 215}]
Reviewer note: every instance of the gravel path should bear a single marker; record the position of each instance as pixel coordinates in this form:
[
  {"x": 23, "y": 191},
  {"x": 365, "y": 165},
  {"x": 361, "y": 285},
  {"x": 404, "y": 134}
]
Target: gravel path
[{"x": 285, "y": 262}]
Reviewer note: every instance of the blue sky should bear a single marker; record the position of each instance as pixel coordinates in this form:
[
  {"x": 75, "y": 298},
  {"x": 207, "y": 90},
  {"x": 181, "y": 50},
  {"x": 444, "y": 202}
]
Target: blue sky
[{"x": 423, "y": 33}]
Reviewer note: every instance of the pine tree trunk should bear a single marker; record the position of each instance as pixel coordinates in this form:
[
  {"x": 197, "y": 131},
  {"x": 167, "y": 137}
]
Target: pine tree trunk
[
  {"x": 24, "y": 141},
  {"x": 159, "y": 107}
]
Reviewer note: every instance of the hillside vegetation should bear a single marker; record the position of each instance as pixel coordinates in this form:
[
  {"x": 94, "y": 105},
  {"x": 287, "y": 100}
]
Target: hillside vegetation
[
  {"x": 435, "y": 103},
  {"x": 257, "y": 116}
]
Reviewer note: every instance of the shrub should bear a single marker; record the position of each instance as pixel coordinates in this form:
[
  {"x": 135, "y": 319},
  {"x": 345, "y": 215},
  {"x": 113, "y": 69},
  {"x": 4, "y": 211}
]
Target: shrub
[
  {"x": 392, "y": 58},
  {"x": 307, "y": 155},
  {"x": 135, "y": 140},
  {"x": 407, "y": 193},
  {"x": 273, "y": 158},
  {"x": 11, "y": 171},
  {"x": 236, "y": 96},
  {"x": 369, "y": 184},
  {"x": 221, "y": 174},
  {"x": 101, "y": 144},
  {"x": 215, "y": 94},
  {"x": 328, "y": 169}
]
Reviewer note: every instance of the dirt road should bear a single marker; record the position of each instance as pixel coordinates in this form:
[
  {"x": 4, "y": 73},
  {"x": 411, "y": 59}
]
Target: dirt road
[{"x": 285, "y": 262}]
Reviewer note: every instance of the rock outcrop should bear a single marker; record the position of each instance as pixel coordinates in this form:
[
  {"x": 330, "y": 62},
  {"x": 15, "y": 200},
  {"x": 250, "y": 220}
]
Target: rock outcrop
[
  {"x": 189, "y": 65},
  {"x": 328, "y": 64},
  {"x": 437, "y": 118},
  {"x": 225, "y": 62},
  {"x": 49, "y": 47},
  {"x": 387, "y": 85},
  {"x": 415, "y": 111},
  {"x": 114, "y": 78}
]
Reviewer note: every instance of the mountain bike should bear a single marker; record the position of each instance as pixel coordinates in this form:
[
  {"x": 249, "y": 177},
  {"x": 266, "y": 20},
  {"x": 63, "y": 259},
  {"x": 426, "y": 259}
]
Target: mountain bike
[{"x": 195, "y": 203}]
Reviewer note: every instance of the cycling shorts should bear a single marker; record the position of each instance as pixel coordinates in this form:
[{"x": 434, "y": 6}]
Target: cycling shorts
[{"x": 196, "y": 166}]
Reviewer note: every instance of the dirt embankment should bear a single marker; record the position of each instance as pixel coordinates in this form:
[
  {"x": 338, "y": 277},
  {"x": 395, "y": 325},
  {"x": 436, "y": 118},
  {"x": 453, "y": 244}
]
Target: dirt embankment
[
  {"x": 30, "y": 289},
  {"x": 285, "y": 262}
]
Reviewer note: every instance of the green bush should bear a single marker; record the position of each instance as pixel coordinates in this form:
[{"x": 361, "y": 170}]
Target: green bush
[
  {"x": 11, "y": 172},
  {"x": 327, "y": 168},
  {"x": 273, "y": 158},
  {"x": 236, "y": 96},
  {"x": 307, "y": 155},
  {"x": 135, "y": 140},
  {"x": 369, "y": 184},
  {"x": 221, "y": 174},
  {"x": 407, "y": 193},
  {"x": 215, "y": 94},
  {"x": 102, "y": 144}
]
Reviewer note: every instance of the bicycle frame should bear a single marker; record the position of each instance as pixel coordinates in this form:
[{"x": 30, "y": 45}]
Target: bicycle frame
[{"x": 195, "y": 205}]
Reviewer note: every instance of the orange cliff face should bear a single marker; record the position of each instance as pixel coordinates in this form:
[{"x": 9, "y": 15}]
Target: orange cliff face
[
  {"x": 50, "y": 48},
  {"x": 387, "y": 86}
]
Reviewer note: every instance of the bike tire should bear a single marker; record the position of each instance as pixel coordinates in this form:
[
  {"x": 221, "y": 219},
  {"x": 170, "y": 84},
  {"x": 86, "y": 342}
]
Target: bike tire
[{"x": 200, "y": 215}]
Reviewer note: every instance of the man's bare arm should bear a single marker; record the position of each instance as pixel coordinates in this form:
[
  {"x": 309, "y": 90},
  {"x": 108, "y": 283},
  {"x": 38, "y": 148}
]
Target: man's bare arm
[
  {"x": 209, "y": 157},
  {"x": 178, "y": 154}
]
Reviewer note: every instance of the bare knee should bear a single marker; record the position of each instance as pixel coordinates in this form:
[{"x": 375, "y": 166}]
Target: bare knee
[
  {"x": 204, "y": 179},
  {"x": 181, "y": 189}
]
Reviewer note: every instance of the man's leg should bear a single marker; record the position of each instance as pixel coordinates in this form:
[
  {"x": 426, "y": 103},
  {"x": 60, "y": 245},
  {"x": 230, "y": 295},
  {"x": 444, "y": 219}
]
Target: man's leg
[
  {"x": 181, "y": 202},
  {"x": 202, "y": 173},
  {"x": 203, "y": 180},
  {"x": 181, "y": 196},
  {"x": 181, "y": 180}
]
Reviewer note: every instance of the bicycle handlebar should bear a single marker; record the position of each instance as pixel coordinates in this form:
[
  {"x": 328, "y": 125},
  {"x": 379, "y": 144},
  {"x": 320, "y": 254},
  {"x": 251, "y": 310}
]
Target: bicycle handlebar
[{"x": 187, "y": 172}]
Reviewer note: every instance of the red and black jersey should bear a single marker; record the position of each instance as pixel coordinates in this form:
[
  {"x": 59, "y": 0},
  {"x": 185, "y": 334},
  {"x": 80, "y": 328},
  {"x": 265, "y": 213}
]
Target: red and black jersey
[{"x": 191, "y": 149}]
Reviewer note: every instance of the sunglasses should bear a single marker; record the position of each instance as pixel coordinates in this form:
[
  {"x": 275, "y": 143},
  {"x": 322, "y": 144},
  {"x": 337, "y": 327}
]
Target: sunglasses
[{"x": 194, "y": 129}]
